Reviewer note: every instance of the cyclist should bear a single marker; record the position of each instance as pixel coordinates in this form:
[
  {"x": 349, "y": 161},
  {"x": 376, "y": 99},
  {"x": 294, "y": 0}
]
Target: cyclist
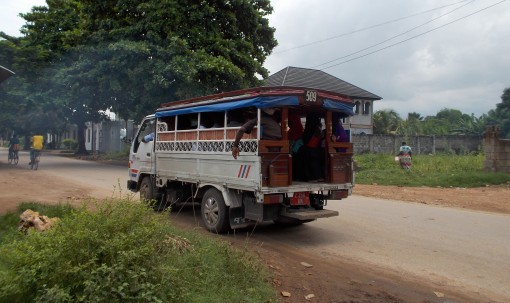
[
  {"x": 37, "y": 143},
  {"x": 13, "y": 145}
]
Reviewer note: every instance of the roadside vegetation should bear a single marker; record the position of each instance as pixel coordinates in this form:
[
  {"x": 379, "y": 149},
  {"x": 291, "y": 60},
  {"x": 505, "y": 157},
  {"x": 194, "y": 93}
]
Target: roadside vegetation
[
  {"x": 122, "y": 252},
  {"x": 440, "y": 170}
]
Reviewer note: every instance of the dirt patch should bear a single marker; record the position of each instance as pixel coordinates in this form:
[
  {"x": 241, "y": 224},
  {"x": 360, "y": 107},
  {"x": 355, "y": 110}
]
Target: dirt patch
[
  {"x": 492, "y": 198},
  {"x": 19, "y": 184}
]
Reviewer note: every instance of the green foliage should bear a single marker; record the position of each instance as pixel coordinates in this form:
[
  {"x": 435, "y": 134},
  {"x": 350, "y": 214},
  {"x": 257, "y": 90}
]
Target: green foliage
[
  {"x": 501, "y": 115},
  {"x": 123, "y": 252},
  {"x": 80, "y": 57},
  {"x": 446, "y": 122},
  {"x": 427, "y": 170},
  {"x": 386, "y": 122},
  {"x": 70, "y": 144}
]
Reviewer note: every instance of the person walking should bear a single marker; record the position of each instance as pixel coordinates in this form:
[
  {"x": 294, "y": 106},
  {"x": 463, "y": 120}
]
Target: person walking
[{"x": 405, "y": 158}]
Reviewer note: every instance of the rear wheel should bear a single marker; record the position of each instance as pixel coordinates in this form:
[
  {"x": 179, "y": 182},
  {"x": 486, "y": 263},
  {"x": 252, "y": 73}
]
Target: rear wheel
[
  {"x": 10, "y": 158},
  {"x": 16, "y": 158},
  {"x": 214, "y": 212}
]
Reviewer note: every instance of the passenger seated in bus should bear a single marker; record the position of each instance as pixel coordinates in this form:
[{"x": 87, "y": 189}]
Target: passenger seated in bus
[
  {"x": 206, "y": 120},
  {"x": 218, "y": 119},
  {"x": 235, "y": 118},
  {"x": 270, "y": 129},
  {"x": 310, "y": 157}
]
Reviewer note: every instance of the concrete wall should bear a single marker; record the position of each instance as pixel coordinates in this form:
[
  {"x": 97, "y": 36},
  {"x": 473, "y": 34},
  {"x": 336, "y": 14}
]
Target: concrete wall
[
  {"x": 389, "y": 144},
  {"x": 105, "y": 137},
  {"x": 497, "y": 151}
]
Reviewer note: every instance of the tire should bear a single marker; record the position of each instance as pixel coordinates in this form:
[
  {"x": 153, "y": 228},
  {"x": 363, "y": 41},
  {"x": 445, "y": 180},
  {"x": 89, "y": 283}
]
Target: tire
[
  {"x": 16, "y": 158},
  {"x": 214, "y": 212},
  {"x": 36, "y": 164},
  {"x": 149, "y": 194},
  {"x": 10, "y": 158}
]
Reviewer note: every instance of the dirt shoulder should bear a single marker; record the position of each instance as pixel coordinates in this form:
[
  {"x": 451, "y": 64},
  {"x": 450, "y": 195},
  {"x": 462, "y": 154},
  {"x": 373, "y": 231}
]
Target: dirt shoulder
[{"x": 494, "y": 198}]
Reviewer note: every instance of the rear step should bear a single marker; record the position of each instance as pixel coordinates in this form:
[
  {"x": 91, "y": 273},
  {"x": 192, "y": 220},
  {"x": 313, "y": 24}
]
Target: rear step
[{"x": 309, "y": 214}]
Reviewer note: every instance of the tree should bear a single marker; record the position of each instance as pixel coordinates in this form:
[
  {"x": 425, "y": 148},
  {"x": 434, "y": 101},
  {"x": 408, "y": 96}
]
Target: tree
[
  {"x": 501, "y": 115},
  {"x": 412, "y": 125},
  {"x": 386, "y": 122},
  {"x": 130, "y": 56}
]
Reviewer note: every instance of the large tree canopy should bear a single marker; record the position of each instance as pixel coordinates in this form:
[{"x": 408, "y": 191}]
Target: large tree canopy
[{"x": 130, "y": 56}]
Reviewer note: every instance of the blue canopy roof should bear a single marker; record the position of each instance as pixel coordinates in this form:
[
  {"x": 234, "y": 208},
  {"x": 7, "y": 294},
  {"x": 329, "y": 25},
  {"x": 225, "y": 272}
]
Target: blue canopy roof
[{"x": 258, "y": 102}]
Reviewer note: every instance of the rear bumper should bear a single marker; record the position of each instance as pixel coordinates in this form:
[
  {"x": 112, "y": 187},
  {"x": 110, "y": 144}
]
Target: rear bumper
[{"x": 309, "y": 214}]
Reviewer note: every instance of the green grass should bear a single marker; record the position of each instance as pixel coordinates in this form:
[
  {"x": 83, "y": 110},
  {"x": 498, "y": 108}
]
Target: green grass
[
  {"x": 121, "y": 155},
  {"x": 427, "y": 170},
  {"x": 123, "y": 252}
]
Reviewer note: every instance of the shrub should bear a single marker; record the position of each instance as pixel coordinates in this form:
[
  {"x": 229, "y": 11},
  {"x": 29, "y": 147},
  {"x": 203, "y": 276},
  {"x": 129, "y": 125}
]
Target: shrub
[
  {"x": 70, "y": 144},
  {"x": 124, "y": 252}
]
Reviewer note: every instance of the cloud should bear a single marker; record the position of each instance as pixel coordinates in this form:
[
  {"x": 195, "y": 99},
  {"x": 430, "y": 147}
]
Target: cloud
[{"x": 462, "y": 65}]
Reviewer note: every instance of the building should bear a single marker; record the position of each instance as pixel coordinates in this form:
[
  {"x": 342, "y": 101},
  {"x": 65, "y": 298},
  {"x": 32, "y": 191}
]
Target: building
[{"x": 360, "y": 123}]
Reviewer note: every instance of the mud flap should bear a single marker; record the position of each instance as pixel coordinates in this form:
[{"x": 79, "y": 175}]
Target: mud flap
[{"x": 236, "y": 217}]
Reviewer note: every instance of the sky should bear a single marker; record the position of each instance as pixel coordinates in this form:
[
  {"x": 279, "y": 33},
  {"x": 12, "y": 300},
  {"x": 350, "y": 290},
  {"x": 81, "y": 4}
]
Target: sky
[{"x": 418, "y": 55}]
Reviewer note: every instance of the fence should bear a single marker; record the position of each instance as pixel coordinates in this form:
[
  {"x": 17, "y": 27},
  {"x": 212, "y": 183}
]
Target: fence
[{"x": 390, "y": 144}]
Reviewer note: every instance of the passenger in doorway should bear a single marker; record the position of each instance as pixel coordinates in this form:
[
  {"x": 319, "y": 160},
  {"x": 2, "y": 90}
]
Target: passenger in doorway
[
  {"x": 339, "y": 134},
  {"x": 295, "y": 132},
  {"x": 310, "y": 156},
  {"x": 405, "y": 156},
  {"x": 270, "y": 129}
]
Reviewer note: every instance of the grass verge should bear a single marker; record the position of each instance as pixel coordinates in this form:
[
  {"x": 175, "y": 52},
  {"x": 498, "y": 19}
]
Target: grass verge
[
  {"x": 123, "y": 252},
  {"x": 427, "y": 170}
]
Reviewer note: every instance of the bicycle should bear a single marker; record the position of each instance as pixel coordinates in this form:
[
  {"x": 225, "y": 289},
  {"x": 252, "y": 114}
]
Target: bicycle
[
  {"x": 13, "y": 156},
  {"x": 34, "y": 159}
]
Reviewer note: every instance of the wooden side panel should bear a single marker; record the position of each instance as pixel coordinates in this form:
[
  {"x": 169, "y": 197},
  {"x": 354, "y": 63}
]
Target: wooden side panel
[
  {"x": 276, "y": 169},
  {"x": 340, "y": 168}
]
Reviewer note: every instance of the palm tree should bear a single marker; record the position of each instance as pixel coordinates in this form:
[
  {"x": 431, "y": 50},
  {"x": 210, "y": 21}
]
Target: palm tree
[{"x": 386, "y": 121}]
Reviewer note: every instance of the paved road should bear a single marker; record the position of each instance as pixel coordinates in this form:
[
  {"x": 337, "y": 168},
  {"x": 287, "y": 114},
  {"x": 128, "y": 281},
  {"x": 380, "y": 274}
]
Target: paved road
[{"x": 464, "y": 249}]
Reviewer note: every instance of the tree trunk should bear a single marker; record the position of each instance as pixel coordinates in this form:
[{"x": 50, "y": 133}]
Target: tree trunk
[{"x": 82, "y": 151}]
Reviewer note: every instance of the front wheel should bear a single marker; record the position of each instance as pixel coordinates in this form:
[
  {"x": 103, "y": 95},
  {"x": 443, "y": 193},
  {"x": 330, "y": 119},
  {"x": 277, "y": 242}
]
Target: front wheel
[
  {"x": 149, "y": 194},
  {"x": 214, "y": 212}
]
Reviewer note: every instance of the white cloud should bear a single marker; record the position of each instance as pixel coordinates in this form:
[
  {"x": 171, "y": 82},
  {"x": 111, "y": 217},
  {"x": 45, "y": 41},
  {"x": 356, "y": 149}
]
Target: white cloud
[
  {"x": 10, "y": 22},
  {"x": 463, "y": 65}
]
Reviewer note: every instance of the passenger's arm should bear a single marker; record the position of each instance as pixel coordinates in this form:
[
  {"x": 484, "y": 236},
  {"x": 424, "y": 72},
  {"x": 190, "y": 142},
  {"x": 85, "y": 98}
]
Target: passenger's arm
[
  {"x": 246, "y": 128},
  {"x": 235, "y": 148}
]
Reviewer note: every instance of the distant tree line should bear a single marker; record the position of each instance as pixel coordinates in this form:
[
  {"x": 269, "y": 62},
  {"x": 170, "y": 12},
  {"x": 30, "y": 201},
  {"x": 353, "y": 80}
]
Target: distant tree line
[
  {"x": 79, "y": 58},
  {"x": 446, "y": 122}
]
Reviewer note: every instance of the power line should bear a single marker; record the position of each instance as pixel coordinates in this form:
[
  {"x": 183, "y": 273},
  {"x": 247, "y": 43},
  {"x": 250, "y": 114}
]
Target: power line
[
  {"x": 402, "y": 41},
  {"x": 366, "y": 28},
  {"x": 396, "y": 36}
]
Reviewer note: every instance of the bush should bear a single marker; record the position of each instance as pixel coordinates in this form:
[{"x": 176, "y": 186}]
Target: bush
[
  {"x": 70, "y": 144},
  {"x": 442, "y": 170},
  {"x": 123, "y": 252}
]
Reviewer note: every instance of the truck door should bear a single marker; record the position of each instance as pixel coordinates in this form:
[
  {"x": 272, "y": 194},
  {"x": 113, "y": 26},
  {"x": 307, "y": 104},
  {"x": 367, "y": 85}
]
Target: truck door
[{"x": 141, "y": 158}]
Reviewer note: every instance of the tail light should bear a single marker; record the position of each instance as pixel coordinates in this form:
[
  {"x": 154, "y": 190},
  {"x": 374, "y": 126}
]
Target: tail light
[
  {"x": 300, "y": 198},
  {"x": 273, "y": 199}
]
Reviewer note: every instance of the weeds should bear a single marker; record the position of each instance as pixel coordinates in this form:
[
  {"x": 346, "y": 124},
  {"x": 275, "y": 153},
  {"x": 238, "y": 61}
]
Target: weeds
[
  {"x": 122, "y": 251},
  {"x": 427, "y": 170}
]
